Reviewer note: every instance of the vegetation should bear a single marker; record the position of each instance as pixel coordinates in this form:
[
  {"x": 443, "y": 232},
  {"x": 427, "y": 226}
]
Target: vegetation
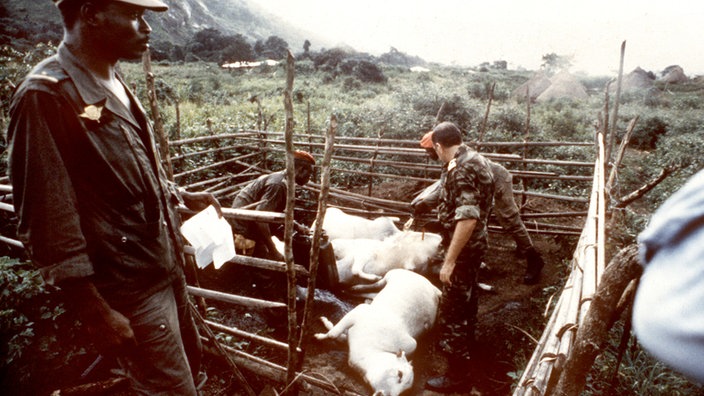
[{"x": 372, "y": 97}]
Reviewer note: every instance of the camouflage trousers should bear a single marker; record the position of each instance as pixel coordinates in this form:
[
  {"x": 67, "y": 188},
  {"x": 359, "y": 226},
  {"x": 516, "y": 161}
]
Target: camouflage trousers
[
  {"x": 457, "y": 314},
  {"x": 506, "y": 210}
]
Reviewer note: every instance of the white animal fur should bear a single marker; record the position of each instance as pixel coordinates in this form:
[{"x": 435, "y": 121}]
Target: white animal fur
[
  {"x": 382, "y": 333},
  {"x": 338, "y": 224},
  {"x": 369, "y": 259}
]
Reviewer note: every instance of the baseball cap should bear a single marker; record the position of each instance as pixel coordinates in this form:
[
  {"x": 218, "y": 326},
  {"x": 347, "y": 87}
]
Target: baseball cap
[
  {"x": 427, "y": 140},
  {"x": 153, "y": 5},
  {"x": 304, "y": 156}
]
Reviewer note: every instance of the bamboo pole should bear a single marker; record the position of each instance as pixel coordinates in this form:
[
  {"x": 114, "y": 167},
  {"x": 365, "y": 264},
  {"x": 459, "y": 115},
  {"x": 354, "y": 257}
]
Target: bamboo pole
[
  {"x": 620, "y": 154},
  {"x": 202, "y": 139},
  {"x": 414, "y": 143},
  {"x": 216, "y": 150},
  {"x": 317, "y": 233},
  {"x": 233, "y": 366},
  {"x": 593, "y": 333},
  {"x": 216, "y": 165},
  {"x": 7, "y": 207},
  {"x": 233, "y": 299},
  {"x": 485, "y": 120},
  {"x": 524, "y": 152},
  {"x": 277, "y": 373},
  {"x": 288, "y": 229},
  {"x": 11, "y": 242},
  {"x": 247, "y": 336},
  {"x": 156, "y": 115},
  {"x": 617, "y": 99}
]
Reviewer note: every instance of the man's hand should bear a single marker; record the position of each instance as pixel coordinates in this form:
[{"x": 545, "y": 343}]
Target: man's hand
[
  {"x": 419, "y": 208},
  {"x": 108, "y": 328},
  {"x": 446, "y": 272},
  {"x": 301, "y": 228},
  {"x": 200, "y": 200}
]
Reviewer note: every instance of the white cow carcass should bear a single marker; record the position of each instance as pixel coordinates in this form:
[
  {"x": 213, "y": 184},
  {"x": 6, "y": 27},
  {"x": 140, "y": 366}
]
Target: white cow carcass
[
  {"x": 381, "y": 334},
  {"x": 369, "y": 259},
  {"x": 338, "y": 224}
]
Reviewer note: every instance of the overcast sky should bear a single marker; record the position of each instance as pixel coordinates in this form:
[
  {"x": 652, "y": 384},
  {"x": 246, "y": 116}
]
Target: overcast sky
[{"x": 468, "y": 32}]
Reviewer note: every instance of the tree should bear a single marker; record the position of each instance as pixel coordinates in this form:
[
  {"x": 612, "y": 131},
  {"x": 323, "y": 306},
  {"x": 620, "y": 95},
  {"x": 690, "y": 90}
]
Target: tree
[
  {"x": 306, "y": 47},
  {"x": 273, "y": 48},
  {"x": 238, "y": 49},
  {"x": 552, "y": 62}
]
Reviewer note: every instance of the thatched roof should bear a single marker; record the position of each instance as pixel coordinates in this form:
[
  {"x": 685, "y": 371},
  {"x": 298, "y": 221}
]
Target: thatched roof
[
  {"x": 535, "y": 86},
  {"x": 636, "y": 80},
  {"x": 563, "y": 86},
  {"x": 674, "y": 75}
]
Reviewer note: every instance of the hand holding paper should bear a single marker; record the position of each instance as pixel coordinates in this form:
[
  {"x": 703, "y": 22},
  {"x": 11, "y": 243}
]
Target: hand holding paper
[{"x": 210, "y": 236}]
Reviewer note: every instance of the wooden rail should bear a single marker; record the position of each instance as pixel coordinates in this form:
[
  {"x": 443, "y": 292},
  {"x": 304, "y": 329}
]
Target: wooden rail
[
  {"x": 556, "y": 342},
  {"x": 246, "y": 154}
]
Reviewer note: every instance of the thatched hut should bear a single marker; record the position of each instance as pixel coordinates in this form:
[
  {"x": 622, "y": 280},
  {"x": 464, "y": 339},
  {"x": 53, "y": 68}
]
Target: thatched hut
[
  {"x": 533, "y": 87},
  {"x": 564, "y": 85},
  {"x": 674, "y": 75}
]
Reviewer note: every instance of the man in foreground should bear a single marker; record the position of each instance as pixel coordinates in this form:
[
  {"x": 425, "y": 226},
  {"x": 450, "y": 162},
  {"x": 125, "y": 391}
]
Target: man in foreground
[
  {"x": 96, "y": 212},
  {"x": 466, "y": 194}
]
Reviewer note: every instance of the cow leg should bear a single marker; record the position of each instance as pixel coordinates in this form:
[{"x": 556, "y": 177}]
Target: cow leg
[
  {"x": 339, "y": 331},
  {"x": 358, "y": 270}
]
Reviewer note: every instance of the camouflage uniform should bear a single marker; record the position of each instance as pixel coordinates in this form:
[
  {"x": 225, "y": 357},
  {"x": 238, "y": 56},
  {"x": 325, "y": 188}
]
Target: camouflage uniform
[
  {"x": 466, "y": 193},
  {"x": 507, "y": 213}
]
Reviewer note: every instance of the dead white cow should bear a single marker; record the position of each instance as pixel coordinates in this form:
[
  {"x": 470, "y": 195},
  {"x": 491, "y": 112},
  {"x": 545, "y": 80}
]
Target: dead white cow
[
  {"x": 369, "y": 259},
  {"x": 338, "y": 224},
  {"x": 382, "y": 333}
]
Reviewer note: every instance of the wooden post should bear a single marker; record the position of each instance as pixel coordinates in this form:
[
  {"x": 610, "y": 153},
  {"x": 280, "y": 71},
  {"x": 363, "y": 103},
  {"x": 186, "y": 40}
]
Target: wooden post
[
  {"x": 592, "y": 334},
  {"x": 288, "y": 228},
  {"x": 617, "y": 99},
  {"x": 177, "y": 135},
  {"x": 619, "y": 155},
  {"x": 482, "y": 128},
  {"x": 156, "y": 115},
  {"x": 371, "y": 163},
  {"x": 317, "y": 232},
  {"x": 526, "y": 134}
]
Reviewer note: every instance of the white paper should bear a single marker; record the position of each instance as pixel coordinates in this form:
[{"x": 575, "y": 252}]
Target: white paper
[{"x": 210, "y": 236}]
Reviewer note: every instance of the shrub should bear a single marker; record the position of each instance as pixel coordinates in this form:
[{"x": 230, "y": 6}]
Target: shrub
[
  {"x": 646, "y": 133},
  {"x": 37, "y": 337}
]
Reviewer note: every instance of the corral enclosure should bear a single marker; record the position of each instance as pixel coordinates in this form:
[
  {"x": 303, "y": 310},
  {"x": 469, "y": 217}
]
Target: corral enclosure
[{"x": 375, "y": 177}]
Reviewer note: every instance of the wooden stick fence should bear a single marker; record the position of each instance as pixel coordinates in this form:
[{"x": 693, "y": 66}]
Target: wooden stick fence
[
  {"x": 246, "y": 154},
  {"x": 554, "y": 346}
]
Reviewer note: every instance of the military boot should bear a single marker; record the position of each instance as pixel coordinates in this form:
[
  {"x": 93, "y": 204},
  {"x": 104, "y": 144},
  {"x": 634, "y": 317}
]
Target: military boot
[
  {"x": 456, "y": 378},
  {"x": 534, "y": 265}
]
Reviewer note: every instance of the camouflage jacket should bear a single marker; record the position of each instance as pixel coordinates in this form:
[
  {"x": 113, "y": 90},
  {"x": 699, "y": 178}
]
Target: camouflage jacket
[{"x": 467, "y": 190}]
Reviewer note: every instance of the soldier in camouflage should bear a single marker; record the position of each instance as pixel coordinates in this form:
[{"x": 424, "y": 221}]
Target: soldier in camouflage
[
  {"x": 507, "y": 213},
  {"x": 467, "y": 190}
]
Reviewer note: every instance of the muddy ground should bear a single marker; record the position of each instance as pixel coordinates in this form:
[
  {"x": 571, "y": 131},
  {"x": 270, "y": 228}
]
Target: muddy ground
[{"x": 509, "y": 318}]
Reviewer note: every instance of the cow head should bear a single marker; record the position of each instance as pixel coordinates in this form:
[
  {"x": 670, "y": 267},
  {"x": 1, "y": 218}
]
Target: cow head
[{"x": 392, "y": 376}]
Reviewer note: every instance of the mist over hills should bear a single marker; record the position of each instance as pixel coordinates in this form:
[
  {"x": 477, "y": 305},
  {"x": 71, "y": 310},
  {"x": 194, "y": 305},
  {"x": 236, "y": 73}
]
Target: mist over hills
[{"x": 24, "y": 23}]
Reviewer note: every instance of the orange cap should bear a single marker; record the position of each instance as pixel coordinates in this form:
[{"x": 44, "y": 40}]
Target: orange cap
[
  {"x": 303, "y": 155},
  {"x": 427, "y": 140}
]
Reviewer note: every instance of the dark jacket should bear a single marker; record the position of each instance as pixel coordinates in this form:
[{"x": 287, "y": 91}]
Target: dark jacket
[
  {"x": 91, "y": 196},
  {"x": 269, "y": 194}
]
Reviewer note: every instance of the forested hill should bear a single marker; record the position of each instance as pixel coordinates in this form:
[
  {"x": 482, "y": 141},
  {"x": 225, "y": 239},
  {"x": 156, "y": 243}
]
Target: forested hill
[{"x": 24, "y": 23}]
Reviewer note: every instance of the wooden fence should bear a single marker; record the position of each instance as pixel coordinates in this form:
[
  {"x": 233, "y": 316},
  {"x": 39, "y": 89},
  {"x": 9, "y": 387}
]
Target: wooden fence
[{"x": 223, "y": 164}]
